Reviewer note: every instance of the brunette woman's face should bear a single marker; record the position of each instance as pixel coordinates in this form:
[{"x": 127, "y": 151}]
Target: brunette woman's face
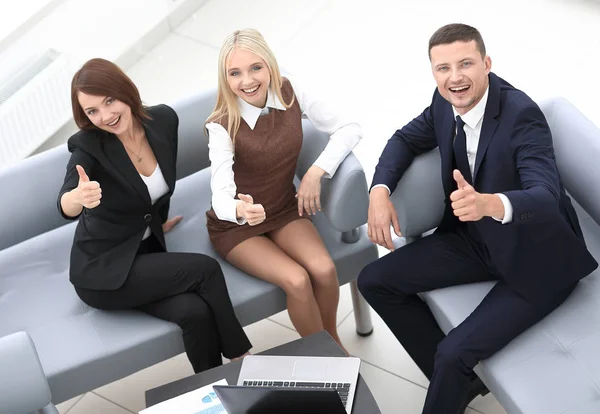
[{"x": 106, "y": 113}]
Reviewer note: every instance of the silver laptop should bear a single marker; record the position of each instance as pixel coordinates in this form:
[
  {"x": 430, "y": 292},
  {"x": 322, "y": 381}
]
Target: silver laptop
[{"x": 339, "y": 373}]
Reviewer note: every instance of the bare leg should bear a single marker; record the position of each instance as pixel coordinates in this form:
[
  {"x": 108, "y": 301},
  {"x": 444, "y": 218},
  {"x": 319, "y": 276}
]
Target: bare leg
[
  {"x": 262, "y": 258},
  {"x": 301, "y": 241}
]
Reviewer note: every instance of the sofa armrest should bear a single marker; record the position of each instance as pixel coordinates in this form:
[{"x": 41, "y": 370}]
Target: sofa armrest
[
  {"x": 344, "y": 197},
  {"x": 23, "y": 385},
  {"x": 419, "y": 196}
]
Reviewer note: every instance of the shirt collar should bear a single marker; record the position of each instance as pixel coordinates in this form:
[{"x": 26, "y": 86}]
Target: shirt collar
[
  {"x": 250, "y": 113},
  {"x": 475, "y": 115}
]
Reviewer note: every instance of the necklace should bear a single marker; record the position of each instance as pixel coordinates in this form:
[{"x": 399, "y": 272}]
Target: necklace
[{"x": 137, "y": 156}]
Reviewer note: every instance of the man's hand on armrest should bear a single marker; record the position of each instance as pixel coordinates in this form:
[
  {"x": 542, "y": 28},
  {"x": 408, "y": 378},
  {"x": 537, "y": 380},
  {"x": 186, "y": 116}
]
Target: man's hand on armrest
[{"x": 382, "y": 215}]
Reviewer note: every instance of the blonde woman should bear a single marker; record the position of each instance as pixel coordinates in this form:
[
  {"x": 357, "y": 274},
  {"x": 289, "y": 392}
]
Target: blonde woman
[{"x": 259, "y": 222}]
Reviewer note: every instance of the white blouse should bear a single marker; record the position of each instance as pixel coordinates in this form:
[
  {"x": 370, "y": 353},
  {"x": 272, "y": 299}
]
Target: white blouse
[
  {"x": 157, "y": 187},
  {"x": 344, "y": 135}
]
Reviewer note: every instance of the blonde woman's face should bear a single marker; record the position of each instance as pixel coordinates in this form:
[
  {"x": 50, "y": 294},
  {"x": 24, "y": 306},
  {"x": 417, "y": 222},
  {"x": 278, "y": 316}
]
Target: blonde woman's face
[{"x": 248, "y": 77}]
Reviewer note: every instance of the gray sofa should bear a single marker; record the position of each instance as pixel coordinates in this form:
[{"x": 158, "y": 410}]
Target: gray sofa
[
  {"x": 81, "y": 348},
  {"x": 554, "y": 367}
]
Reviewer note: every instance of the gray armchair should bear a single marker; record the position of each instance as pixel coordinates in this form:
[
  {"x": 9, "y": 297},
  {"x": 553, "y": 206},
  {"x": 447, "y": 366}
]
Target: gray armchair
[
  {"x": 554, "y": 367},
  {"x": 23, "y": 385}
]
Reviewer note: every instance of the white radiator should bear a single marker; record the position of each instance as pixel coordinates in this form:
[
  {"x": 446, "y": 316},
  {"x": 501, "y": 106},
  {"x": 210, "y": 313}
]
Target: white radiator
[{"x": 34, "y": 103}]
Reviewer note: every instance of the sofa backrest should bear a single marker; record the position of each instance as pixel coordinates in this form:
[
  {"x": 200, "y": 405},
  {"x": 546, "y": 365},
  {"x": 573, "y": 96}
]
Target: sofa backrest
[
  {"x": 577, "y": 148},
  {"x": 337, "y": 196},
  {"x": 29, "y": 188},
  {"x": 419, "y": 198},
  {"x": 28, "y": 193},
  {"x": 192, "y": 153}
]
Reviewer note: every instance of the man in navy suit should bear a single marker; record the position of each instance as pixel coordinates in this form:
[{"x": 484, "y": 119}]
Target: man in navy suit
[{"x": 507, "y": 219}]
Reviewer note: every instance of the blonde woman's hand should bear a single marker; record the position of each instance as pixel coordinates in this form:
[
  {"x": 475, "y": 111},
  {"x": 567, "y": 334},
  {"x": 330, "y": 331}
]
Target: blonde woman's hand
[
  {"x": 253, "y": 213},
  {"x": 309, "y": 191},
  {"x": 88, "y": 193}
]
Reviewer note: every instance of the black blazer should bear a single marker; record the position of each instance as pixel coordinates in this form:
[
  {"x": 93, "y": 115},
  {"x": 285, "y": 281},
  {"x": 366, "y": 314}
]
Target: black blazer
[
  {"x": 542, "y": 251},
  {"x": 107, "y": 237}
]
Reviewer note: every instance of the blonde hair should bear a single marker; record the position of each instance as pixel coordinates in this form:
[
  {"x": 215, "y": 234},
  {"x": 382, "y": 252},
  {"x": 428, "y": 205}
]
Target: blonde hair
[{"x": 227, "y": 104}]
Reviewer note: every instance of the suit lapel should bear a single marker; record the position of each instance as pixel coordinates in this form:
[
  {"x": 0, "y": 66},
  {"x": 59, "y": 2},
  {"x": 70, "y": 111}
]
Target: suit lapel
[
  {"x": 117, "y": 156},
  {"x": 163, "y": 153},
  {"x": 446, "y": 149},
  {"x": 490, "y": 123}
]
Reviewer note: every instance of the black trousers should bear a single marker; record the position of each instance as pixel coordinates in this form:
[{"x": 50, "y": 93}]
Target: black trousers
[
  {"x": 185, "y": 288},
  {"x": 391, "y": 284}
]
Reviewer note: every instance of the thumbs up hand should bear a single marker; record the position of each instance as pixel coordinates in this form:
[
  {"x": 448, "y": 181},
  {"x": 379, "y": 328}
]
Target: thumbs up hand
[
  {"x": 460, "y": 180},
  {"x": 468, "y": 204},
  {"x": 88, "y": 193},
  {"x": 246, "y": 198},
  {"x": 253, "y": 213}
]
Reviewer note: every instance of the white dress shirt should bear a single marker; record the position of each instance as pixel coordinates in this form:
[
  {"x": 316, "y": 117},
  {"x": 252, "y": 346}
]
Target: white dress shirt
[
  {"x": 473, "y": 121},
  {"x": 157, "y": 187},
  {"x": 344, "y": 135}
]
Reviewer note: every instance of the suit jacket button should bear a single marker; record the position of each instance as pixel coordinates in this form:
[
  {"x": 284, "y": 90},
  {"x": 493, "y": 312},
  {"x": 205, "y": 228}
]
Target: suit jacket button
[{"x": 148, "y": 218}]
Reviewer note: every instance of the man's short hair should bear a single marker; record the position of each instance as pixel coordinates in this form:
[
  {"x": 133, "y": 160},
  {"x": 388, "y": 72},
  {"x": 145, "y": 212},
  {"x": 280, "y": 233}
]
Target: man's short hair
[{"x": 457, "y": 32}]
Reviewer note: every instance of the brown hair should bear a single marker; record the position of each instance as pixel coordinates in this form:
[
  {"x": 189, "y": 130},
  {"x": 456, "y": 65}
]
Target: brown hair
[
  {"x": 457, "y": 32},
  {"x": 99, "y": 77}
]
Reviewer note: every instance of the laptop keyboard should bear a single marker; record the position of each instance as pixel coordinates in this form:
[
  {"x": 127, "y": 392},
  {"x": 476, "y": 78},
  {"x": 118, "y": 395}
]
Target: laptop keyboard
[{"x": 343, "y": 388}]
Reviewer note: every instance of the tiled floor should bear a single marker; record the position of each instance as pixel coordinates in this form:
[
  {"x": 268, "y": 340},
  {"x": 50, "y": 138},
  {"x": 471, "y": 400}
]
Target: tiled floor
[{"x": 369, "y": 57}]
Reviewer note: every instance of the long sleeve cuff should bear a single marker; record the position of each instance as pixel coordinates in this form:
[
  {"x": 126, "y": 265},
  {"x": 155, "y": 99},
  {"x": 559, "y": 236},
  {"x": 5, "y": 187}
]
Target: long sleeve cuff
[
  {"x": 339, "y": 146},
  {"x": 226, "y": 209},
  {"x": 381, "y": 185},
  {"x": 508, "y": 209}
]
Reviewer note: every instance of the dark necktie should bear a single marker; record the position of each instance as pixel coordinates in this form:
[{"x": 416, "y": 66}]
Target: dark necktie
[{"x": 460, "y": 150}]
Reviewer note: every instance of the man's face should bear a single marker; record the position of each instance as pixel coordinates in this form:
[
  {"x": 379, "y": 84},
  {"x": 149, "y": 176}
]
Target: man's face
[{"x": 461, "y": 73}]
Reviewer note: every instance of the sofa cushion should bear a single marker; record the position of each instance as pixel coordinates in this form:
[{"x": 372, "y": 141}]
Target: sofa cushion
[
  {"x": 81, "y": 348},
  {"x": 557, "y": 357}
]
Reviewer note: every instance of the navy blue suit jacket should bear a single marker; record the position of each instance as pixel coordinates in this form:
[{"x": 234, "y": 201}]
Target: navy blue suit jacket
[{"x": 542, "y": 251}]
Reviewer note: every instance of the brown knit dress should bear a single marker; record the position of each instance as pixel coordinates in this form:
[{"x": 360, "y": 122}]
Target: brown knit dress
[{"x": 264, "y": 167}]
